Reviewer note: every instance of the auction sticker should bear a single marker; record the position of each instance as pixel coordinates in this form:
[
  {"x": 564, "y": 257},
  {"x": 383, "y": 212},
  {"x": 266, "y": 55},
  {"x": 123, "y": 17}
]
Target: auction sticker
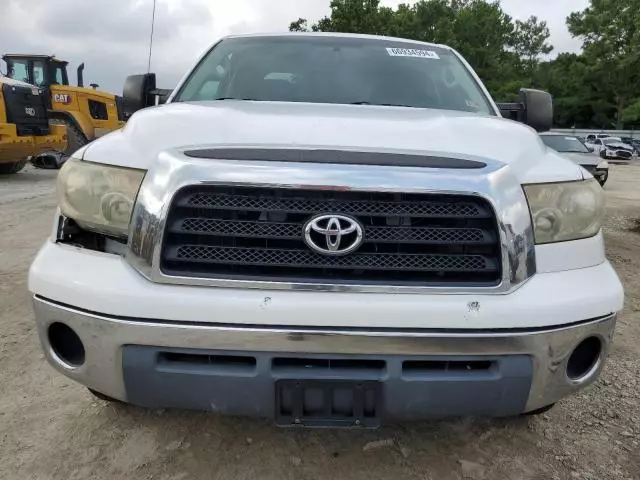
[{"x": 412, "y": 52}]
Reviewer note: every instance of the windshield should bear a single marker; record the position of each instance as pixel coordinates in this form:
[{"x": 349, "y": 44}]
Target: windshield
[
  {"x": 335, "y": 70},
  {"x": 18, "y": 70},
  {"x": 562, "y": 143}
]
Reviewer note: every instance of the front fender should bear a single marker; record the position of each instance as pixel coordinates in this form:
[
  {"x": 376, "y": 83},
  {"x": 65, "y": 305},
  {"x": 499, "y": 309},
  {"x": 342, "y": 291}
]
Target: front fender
[{"x": 81, "y": 121}]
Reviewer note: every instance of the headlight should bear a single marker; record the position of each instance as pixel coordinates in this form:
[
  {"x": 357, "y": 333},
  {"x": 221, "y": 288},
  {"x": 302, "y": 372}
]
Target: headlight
[
  {"x": 565, "y": 211},
  {"x": 98, "y": 197},
  {"x": 603, "y": 164}
]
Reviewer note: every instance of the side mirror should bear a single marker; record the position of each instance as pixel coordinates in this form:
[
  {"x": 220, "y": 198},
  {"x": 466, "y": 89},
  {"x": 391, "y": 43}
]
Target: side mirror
[
  {"x": 137, "y": 92},
  {"x": 534, "y": 108},
  {"x": 162, "y": 94},
  {"x": 591, "y": 149},
  {"x": 538, "y": 109}
]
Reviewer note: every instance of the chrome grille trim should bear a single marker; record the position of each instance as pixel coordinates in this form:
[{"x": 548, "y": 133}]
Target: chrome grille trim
[{"x": 172, "y": 171}]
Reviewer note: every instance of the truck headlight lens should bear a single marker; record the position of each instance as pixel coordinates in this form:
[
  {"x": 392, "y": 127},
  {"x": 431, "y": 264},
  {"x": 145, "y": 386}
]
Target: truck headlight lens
[
  {"x": 98, "y": 197},
  {"x": 565, "y": 211}
]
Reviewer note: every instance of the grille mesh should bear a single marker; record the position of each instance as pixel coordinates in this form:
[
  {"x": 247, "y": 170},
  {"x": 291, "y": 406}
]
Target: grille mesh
[
  {"x": 306, "y": 259},
  {"x": 302, "y": 205},
  {"x": 292, "y": 230},
  {"x": 258, "y": 233}
]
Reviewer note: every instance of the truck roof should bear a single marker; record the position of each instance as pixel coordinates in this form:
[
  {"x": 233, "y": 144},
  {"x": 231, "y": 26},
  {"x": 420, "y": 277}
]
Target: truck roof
[
  {"x": 30, "y": 55},
  {"x": 339, "y": 35}
]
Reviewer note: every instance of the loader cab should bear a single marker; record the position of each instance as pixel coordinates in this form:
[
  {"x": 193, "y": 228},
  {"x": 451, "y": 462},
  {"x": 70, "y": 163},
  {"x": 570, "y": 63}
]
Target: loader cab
[
  {"x": 87, "y": 113},
  {"x": 40, "y": 70}
]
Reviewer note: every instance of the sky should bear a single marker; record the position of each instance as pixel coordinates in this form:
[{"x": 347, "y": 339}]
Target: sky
[{"x": 112, "y": 36}]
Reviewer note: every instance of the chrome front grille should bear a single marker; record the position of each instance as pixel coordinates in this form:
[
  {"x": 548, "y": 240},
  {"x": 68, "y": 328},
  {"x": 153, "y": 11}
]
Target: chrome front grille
[{"x": 249, "y": 233}]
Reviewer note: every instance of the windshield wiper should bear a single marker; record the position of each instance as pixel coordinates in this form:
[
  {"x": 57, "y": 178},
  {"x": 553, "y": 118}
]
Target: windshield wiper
[
  {"x": 238, "y": 98},
  {"x": 382, "y": 104}
]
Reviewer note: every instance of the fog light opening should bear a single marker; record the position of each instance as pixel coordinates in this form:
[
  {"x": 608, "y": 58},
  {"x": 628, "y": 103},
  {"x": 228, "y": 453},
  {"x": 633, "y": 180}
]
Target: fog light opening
[
  {"x": 584, "y": 359},
  {"x": 66, "y": 344}
]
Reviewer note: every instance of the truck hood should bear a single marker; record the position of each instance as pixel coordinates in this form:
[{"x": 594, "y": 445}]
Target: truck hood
[{"x": 431, "y": 132}]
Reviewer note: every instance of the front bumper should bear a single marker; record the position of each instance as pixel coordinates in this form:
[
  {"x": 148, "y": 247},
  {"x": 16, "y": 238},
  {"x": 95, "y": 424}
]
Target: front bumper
[
  {"x": 14, "y": 147},
  {"x": 105, "y": 283},
  {"x": 616, "y": 158},
  {"x": 128, "y": 325},
  {"x": 124, "y": 360}
]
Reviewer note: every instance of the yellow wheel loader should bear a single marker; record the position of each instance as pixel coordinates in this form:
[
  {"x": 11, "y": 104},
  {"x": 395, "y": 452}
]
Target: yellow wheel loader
[
  {"x": 24, "y": 126},
  {"x": 87, "y": 113}
]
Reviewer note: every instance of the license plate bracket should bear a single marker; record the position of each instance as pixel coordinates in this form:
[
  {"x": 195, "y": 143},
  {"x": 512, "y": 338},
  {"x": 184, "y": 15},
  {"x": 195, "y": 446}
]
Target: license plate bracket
[{"x": 328, "y": 403}]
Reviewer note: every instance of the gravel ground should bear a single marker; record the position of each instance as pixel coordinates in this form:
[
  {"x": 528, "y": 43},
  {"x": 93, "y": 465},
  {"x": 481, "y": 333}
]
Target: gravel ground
[{"x": 51, "y": 428}]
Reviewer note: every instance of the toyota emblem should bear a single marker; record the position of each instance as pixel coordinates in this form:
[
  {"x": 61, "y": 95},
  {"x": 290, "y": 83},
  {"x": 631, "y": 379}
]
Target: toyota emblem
[{"x": 333, "y": 234}]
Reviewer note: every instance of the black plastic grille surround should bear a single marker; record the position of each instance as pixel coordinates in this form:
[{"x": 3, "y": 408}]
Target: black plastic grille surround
[
  {"x": 257, "y": 234},
  {"x": 623, "y": 153}
]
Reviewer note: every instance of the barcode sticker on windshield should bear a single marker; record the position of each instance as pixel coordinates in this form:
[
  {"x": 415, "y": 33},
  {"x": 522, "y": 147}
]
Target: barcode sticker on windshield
[{"x": 412, "y": 52}]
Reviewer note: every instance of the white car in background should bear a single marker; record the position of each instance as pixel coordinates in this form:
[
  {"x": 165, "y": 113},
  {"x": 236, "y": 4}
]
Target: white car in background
[
  {"x": 610, "y": 148},
  {"x": 591, "y": 138},
  {"x": 572, "y": 148}
]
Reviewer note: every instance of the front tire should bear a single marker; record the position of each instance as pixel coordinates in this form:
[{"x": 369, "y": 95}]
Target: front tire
[
  {"x": 75, "y": 138},
  {"x": 12, "y": 167}
]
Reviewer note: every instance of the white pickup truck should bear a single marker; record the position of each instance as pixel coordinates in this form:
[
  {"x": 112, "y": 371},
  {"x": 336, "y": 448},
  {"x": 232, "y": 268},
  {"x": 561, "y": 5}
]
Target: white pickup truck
[{"x": 327, "y": 230}]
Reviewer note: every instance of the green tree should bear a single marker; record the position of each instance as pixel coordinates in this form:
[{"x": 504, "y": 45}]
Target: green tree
[
  {"x": 354, "y": 16},
  {"x": 482, "y": 33},
  {"x": 530, "y": 42},
  {"x": 299, "y": 25},
  {"x": 433, "y": 21},
  {"x": 404, "y": 22},
  {"x": 610, "y": 34},
  {"x": 564, "y": 77},
  {"x": 631, "y": 114}
]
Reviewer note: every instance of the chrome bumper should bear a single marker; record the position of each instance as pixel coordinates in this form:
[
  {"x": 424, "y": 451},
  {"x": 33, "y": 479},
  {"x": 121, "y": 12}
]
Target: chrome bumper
[{"x": 104, "y": 338}]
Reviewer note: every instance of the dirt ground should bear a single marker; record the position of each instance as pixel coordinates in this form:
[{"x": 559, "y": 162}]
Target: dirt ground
[{"x": 52, "y": 428}]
